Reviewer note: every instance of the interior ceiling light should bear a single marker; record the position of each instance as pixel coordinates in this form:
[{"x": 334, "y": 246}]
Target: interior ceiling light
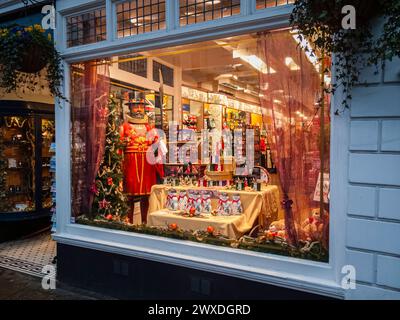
[
  {"x": 254, "y": 61},
  {"x": 224, "y": 76},
  {"x": 289, "y": 62},
  {"x": 135, "y": 22},
  {"x": 215, "y": 2},
  {"x": 307, "y": 49}
]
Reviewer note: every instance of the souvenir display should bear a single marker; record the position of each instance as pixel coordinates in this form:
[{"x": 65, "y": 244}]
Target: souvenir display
[
  {"x": 183, "y": 200},
  {"x": 172, "y": 200},
  {"x": 224, "y": 205},
  {"x": 236, "y": 205},
  {"x": 197, "y": 202},
  {"x": 206, "y": 202}
]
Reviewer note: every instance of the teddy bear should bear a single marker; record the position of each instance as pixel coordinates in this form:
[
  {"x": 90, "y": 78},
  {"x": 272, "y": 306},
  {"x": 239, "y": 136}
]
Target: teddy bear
[
  {"x": 312, "y": 227},
  {"x": 277, "y": 229}
]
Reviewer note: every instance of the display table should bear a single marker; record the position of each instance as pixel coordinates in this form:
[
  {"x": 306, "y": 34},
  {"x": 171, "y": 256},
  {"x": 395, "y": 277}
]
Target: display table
[{"x": 259, "y": 205}]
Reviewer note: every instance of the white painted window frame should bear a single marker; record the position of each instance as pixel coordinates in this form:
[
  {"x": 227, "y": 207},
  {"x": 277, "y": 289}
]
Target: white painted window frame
[{"x": 305, "y": 275}]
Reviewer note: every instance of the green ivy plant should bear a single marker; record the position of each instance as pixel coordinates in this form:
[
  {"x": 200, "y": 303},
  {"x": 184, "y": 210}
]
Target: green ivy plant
[
  {"x": 29, "y": 49},
  {"x": 320, "y": 22}
]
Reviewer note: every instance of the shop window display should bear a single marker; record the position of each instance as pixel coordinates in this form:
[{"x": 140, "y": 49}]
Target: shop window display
[{"x": 231, "y": 155}]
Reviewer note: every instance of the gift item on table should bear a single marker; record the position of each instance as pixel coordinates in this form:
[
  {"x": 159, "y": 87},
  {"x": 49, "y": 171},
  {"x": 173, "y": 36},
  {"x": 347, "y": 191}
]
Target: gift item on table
[
  {"x": 237, "y": 208},
  {"x": 183, "y": 200},
  {"x": 172, "y": 200},
  {"x": 197, "y": 202},
  {"x": 224, "y": 204},
  {"x": 206, "y": 202},
  {"x": 190, "y": 202},
  {"x": 239, "y": 184}
]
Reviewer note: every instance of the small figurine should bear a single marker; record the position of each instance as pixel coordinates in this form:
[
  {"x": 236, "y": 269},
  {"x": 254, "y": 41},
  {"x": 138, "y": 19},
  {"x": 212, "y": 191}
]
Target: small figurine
[
  {"x": 197, "y": 203},
  {"x": 183, "y": 200},
  {"x": 172, "y": 200},
  {"x": 190, "y": 201},
  {"x": 237, "y": 208},
  {"x": 224, "y": 204},
  {"x": 206, "y": 202}
]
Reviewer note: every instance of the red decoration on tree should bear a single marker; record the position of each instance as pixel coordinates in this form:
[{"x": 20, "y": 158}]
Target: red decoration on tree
[
  {"x": 103, "y": 204},
  {"x": 109, "y": 181}
]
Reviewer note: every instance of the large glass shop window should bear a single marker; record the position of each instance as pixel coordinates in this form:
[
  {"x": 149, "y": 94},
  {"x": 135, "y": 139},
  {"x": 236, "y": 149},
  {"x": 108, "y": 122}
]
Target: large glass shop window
[{"x": 235, "y": 154}]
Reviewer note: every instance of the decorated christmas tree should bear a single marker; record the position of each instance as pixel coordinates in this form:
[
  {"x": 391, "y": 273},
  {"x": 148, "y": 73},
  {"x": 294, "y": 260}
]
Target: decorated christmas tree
[{"x": 109, "y": 201}]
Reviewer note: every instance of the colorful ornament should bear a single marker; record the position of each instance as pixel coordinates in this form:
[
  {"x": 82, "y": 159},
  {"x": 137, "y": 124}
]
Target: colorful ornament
[
  {"x": 173, "y": 226},
  {"x": 93, "y": 189},
  {"x": 210, "y": 230},
  {"x": 109, "y": 181},
  {"x": 103, "y": 204}
]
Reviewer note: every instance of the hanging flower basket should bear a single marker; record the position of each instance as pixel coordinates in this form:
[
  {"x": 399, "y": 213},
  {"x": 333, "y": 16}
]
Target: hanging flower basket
[
  {"x": 29, "y": 50},
  {"x": 32, "y": 59}
]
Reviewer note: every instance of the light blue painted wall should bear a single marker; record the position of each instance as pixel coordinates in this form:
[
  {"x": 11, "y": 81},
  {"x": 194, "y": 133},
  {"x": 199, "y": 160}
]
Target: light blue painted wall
[{"x": 373, "y": 210}]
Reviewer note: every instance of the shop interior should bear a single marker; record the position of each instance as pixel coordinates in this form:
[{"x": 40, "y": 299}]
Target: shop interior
[{"x": 202, "y": 184}]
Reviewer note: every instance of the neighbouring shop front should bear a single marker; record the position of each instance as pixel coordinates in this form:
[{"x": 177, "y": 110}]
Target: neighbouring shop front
[
  {"x": 196, "y": 152},
  {"x": 27, "y": 133}
]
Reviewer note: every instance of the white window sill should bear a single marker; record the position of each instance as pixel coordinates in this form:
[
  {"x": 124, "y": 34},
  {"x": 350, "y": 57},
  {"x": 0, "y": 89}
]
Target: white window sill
[{"x": 297, "y": 274}]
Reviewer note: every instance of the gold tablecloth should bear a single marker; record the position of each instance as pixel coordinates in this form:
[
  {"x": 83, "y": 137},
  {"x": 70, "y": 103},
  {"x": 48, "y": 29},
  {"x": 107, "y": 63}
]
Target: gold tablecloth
[{"x": 261, "y": 205}]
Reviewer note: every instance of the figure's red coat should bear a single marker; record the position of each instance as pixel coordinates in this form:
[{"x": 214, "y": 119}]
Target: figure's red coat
[{"x": 139, "y": 174}]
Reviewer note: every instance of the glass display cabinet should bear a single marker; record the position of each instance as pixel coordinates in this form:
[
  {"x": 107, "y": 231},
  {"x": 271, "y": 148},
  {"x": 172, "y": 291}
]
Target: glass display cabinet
[{"x": 27, "y": 133}]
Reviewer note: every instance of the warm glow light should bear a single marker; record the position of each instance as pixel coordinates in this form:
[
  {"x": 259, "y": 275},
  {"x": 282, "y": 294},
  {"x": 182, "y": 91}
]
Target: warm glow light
[
  {"x": 291, "y": 64},
  {"x": 135, "y": 22},
  {"x": 277, "y": 101},
  {"x": 254, "y": 61},
  {"x": 327, "y": 80},
  {"x": 305, "y": 45}
]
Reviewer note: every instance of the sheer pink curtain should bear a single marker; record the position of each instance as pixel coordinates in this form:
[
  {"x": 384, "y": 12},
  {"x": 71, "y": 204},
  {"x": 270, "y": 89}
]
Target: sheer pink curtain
[
  {"x": 290, "y": 95},
  {"x": 89, "y": 98}
]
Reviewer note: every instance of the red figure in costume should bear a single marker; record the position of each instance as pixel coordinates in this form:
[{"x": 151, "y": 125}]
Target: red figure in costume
[{"x": 139, "y": 174}]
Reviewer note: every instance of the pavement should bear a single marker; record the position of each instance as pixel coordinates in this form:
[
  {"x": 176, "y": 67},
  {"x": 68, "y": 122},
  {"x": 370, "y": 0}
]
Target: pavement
[
  {"x": 20, "y": 286},
  {"x": 21, "y": 271}
]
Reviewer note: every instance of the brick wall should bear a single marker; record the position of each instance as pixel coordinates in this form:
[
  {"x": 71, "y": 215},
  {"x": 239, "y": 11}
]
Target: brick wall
[{"x": 373, "y": 209}]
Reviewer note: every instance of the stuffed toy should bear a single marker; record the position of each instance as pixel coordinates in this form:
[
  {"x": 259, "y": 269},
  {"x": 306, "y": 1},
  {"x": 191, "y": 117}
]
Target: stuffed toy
[{"x": 312, "y": 227}]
